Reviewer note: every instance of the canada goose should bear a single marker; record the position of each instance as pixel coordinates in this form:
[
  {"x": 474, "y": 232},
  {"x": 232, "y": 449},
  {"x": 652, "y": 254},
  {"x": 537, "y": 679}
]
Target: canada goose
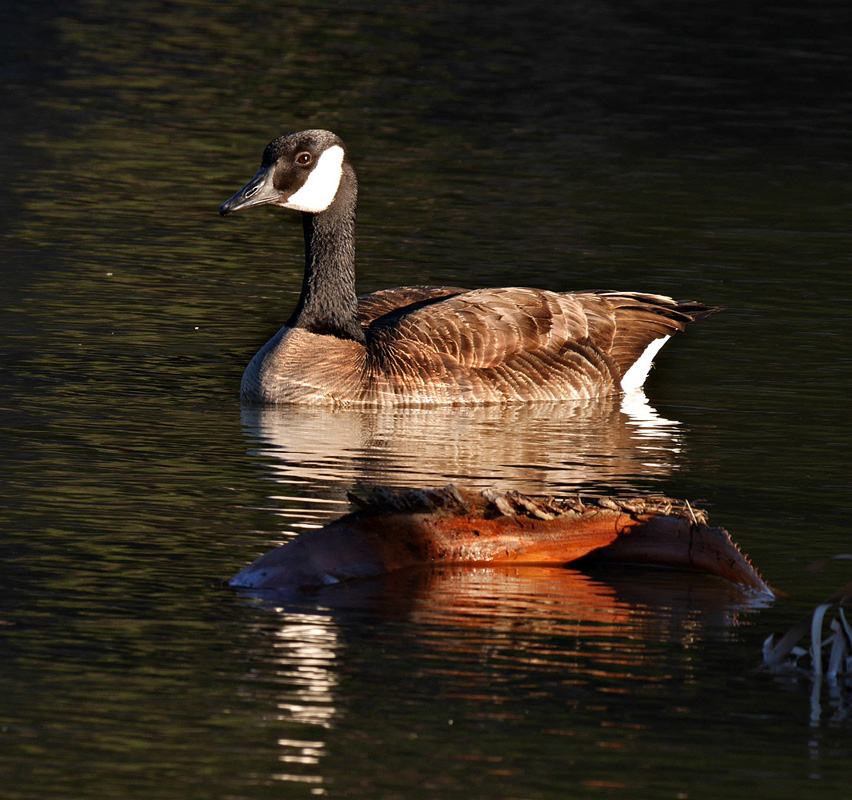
[{"x": 422, "y": 345}]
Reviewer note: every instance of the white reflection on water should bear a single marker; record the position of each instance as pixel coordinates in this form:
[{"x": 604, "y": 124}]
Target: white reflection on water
[
  {"x": 304, "y": 651},
  {"x": 303, "y": 658},
  {"x": 613, "y": 445}
]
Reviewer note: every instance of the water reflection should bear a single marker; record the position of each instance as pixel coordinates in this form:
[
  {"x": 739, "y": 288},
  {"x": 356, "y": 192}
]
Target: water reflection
[
  {"x": 316, "y": 455},
  {"x": 692, "y": 148},
  {"x": 500, "y": 603},
  {"x": 482, "y": 644},
  {"x": 489, "y": 637},
  {"x": 302, "y": 650}
]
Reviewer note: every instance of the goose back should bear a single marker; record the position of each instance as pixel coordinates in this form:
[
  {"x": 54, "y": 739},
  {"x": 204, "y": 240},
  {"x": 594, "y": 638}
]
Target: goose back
[{"x": 444, "y": 345}]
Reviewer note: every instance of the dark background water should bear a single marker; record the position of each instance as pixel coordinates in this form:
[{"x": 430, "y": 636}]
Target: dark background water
[{"x": 700, "y": 150}]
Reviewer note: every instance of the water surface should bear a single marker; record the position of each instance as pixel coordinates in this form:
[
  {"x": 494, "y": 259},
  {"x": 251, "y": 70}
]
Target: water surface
[{"x": 700, "y": 150}]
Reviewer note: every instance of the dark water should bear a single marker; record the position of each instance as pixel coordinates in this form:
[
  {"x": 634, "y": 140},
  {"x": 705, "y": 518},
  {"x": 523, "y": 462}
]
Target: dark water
[{"x": 701, "y": 150}]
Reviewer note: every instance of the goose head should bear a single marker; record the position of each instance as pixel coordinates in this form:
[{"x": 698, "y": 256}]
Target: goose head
[{"x": 301, "y": 171}]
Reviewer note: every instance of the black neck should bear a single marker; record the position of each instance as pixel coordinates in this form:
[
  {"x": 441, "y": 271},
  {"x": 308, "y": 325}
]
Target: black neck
[{"x": 328, "y": 303}]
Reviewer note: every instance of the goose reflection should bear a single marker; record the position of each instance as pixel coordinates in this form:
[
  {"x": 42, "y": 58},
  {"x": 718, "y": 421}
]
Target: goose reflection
[{"x": 611, "y": 445}]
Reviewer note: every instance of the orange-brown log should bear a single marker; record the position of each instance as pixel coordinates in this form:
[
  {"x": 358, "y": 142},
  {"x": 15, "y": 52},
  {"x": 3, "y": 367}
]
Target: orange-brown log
[{"x": 397, "y": 530}]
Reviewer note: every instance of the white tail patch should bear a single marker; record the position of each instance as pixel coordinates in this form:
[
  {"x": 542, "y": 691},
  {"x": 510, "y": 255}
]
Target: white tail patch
[
  {"x": 322, "y": 184},
  {"x": 636, "y": 375}
]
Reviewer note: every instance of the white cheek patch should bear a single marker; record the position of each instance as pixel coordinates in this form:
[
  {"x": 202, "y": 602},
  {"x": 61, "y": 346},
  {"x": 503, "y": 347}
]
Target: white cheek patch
[
  {"x": 635, "y": 376},
  {"x": 322, "y": 184}
]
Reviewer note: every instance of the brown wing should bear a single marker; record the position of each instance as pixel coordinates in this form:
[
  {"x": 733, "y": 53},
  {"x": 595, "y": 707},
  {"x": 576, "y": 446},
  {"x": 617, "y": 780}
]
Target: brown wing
[
  {"x": 625, "y": 323},
  {"x": 519, "y": 344},
  {"x": 385, "y": 301}
]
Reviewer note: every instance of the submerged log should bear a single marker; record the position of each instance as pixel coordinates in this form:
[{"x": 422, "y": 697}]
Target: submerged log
[{"x": 393, "y": 530}]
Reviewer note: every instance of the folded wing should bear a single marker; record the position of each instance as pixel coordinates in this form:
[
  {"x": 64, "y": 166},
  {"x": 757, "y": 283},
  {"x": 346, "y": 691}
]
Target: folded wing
[{"x": 516, "y": 343}]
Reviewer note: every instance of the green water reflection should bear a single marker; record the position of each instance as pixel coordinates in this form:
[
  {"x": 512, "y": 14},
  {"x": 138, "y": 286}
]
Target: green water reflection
[{"x": 700, "y": 151}]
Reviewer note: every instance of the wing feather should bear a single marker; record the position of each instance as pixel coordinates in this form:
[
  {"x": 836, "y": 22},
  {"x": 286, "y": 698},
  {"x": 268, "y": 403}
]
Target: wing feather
[
  {"x": 514, "y": 343},
  {"x": 386, "y": 301}
]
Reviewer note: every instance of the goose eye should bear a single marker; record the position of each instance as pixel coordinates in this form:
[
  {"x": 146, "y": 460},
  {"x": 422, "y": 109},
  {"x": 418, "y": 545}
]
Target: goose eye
[{"x": 303, "y": 159}]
